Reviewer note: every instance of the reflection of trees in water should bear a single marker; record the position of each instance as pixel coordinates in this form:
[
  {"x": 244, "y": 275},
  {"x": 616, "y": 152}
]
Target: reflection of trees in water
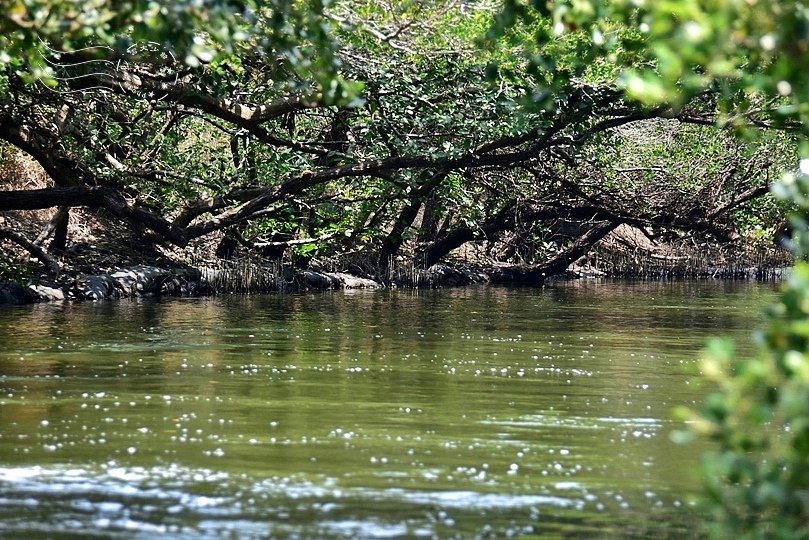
[
  {"x": 660, "y": 307},
  {"x": 403, "y": 338}
]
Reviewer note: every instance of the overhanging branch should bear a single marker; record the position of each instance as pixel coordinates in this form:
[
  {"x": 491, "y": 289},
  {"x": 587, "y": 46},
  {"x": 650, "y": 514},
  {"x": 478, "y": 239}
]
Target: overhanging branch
[{"x": 51, "y": 265}]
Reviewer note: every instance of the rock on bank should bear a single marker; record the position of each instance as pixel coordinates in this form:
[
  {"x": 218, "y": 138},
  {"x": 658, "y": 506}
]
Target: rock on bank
[{"x": 141, "y": 281}]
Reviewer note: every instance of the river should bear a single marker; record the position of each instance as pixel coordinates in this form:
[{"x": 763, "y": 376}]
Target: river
[{"x": 470, "y": 412}]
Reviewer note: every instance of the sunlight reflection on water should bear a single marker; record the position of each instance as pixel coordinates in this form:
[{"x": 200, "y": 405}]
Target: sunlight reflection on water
[{"x": 458, "y": 413}]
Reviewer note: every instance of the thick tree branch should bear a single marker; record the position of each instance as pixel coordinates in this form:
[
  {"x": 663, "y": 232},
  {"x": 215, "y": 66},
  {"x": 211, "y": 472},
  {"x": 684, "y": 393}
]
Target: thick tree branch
[
  {"x": 38, "y": 199},
  {"x": 51, "y": 265},
  {"x": 558, "y": 263},
  {"x": 247, "y": 117}
]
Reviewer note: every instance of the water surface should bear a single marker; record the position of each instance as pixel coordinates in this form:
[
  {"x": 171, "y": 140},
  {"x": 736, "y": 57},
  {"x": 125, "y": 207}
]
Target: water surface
[{"x": 471, "y": 412}]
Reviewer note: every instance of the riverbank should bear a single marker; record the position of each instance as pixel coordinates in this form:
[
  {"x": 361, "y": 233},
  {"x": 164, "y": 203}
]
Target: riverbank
[
  {"x": 106, "y": 262},
  {"x": 145, "y": 280},
  {"x": 154, "y": 281}
]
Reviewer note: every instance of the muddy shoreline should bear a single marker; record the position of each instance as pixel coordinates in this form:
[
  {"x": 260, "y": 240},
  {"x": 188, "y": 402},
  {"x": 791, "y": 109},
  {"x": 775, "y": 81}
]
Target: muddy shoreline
[{"x": 145, "y": 280}]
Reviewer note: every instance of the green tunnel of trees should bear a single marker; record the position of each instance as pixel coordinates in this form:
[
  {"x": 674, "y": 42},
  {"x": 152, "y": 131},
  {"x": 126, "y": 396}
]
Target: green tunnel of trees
[
  {"x": 384, "y": 133},
  {"x": 371, "y": 134}
]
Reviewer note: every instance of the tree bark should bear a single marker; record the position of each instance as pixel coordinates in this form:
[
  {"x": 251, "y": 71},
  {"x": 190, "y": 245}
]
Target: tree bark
[
  {"x": 429, "y": 223},
  {"x": 38, "y": 199},
  {"x": 60, "y": 222},
  {"x": 394, "y": 240}
]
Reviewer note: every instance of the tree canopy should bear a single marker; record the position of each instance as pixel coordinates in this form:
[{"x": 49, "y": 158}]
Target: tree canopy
[
  {"x": 751, "y": 53},
  {"x": 375, "y": 132}
]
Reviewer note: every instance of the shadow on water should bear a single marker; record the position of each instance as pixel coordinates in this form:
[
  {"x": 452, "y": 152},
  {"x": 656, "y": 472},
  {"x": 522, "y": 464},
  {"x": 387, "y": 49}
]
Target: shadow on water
[{"x": 452, "y": 413}]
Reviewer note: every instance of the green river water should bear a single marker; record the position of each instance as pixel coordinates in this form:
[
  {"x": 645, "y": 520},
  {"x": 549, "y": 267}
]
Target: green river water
[{"x": 476, "y": 412}]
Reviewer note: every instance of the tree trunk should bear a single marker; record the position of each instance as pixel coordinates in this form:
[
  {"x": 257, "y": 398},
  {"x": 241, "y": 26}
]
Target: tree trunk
[
  {"x": 536, "y": 274},
  {"x": 429, "y": 222},
  {"x": 503, "y": 220},
  {"x": 38, "y": 199},
  {"x": 59, "y": 222},
  {"x": 394, "y": 240}
]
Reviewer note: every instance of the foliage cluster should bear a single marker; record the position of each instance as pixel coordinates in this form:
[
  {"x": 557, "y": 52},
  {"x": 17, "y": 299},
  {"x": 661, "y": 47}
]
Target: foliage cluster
[
  {"x": 757, "y": 482},
  {"x": 669, "y": 52},
  {"x": 38, "y": 38},
  {"x": 15, "y": 269}
]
